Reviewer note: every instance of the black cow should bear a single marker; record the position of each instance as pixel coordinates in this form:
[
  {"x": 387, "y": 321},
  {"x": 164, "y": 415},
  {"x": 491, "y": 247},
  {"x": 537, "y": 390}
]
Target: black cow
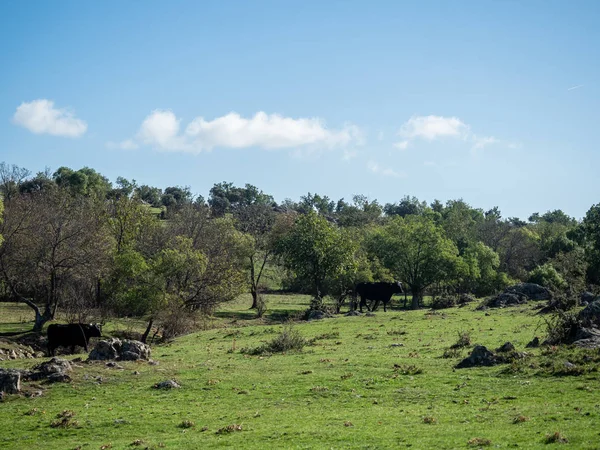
[
  {"x": 71, "y": 335},
  {"x": 379, "y": 292}
]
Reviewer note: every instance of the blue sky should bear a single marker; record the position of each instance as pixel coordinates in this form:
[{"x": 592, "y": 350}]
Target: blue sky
[{"x": 495, "y": 102}]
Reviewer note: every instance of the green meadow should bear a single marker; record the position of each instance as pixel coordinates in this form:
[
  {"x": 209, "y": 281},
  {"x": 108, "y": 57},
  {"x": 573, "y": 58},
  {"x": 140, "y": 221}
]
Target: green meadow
[{"x": 359, "y": 382}]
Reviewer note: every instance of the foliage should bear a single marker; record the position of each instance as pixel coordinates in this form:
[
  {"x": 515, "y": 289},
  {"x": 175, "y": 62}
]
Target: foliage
[
  {"x": 289, "y": 340},
  {"x": 415, "y": 251},
  {"x": 591, "y": 230},
  {"x": 478, "y": 270},
  {"x": 317, "y": 252},
  {"x": 225, "y": 250},
  {"x": 56, "y": 250},
  {"x": 546, "y": 275},
  {"x": 561, "y": 327}
]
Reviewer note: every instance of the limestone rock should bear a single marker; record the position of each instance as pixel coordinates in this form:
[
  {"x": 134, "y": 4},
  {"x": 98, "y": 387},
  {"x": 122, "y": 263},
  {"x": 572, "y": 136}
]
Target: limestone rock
[{"x": 10, "y": 381}]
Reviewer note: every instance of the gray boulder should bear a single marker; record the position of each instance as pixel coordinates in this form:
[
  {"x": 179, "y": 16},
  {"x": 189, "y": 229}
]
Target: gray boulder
[
  {"x": 134, "y": 350},
  {"x": 590, "y": 315},
  {"x": 480, "y": 356},
  {"x": 106, "y": 350},
  {"x": 55, "y": 365},
  {"x": 121, "y": 350},
  {"x": 10, "y": 381},
  {"x": 531, "y": 290},
  {"x": 587, "y": 338},
  {"x": 167, "y": 384},
  {"x": 505, "y": 299}
]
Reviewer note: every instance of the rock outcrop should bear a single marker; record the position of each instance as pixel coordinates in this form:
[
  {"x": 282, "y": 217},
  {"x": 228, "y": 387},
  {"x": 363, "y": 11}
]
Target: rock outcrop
[{"x": 120, "y": 350}]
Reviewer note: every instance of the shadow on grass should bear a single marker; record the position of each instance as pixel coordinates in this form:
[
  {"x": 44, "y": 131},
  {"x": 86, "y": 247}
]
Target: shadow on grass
[
  {"x": 236, "y": 315},
  {"x": 272, "y": 316},
  {"x": 14, "y": 328}
]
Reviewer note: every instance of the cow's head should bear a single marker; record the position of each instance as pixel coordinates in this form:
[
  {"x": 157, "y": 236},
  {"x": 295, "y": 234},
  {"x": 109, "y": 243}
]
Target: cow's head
[
  {"x": 398, "y": 288},
  {"x": 93, "y": 330}
]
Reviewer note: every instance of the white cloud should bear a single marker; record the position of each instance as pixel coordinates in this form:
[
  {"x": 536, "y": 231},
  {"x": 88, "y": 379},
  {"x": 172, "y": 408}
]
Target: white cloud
[
  {"x": 161, "y": 130},
  {"x": 40, "y": 117},
  {"x": 515, "y": 145},
  {"x": 128, "y": 144},
  {"x": 481, "y": 142},
  {"x": 433, "y": 127},
  {"x": 376, "y": 168},
  {"x": 572, "y": 88},
  {"x": 402, "y": 145}
]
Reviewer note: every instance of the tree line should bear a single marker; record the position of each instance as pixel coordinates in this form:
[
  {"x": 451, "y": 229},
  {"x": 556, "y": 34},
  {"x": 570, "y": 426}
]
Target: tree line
[{"x": 74, "y": 241}]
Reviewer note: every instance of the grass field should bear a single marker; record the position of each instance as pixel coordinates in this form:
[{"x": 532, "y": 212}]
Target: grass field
[{"x": 362, "y": 382}]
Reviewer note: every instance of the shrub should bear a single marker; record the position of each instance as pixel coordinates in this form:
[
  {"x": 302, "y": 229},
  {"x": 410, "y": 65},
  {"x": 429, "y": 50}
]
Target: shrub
[
  {"x": 555, "y": 437},
  {"x": 65, "y": 420},
  {"x": 562, "y": 327},
  {"x": 289, "y": 340},
  {"x": 443, "y": 303},
  {"x": 407, "y": 369},
  {"x": 177, "y": 321},
  {"x": 464, "y": 340},
  {"x": 546, "y": 275},
  {"x": 479, "y": 442},
  {"x": 187, "y": 424}
]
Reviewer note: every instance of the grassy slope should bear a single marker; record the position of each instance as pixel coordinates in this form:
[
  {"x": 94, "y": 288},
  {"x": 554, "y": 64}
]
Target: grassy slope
[{"x": 341, "y": 392}]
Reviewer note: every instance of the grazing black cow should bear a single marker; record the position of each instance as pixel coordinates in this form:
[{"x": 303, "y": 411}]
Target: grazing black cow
[
  {"x": 379, "y": 292},
  {"x": 71, "y": 335}
]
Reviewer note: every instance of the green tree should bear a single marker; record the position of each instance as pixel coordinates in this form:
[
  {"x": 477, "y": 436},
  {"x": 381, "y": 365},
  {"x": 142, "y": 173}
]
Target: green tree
[
  {"x": 416, "y": 251},
  {"x": 85, "y": 181},
  {"x": 591, "y": 231},
  {"x": 128, "y": 221},
  {"x": 317, "y": 252},
  {"x": 257, "y": 221},
  {"x": 479, "y": 270},
  {"x": 460, "y": 222},
  {"x": 225, "y": 249},
  {"x": 406, "y": 207},
  {"x": 361, "y": 212}
]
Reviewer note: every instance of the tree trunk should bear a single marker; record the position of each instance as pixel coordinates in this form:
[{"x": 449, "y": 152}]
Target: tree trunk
[
  {"x": 416, "y": 298},
  {"x": 254, "y": 298},
  {"x": 148, "y": 329}
]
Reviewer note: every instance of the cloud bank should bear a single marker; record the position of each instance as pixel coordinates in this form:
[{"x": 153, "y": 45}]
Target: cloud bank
[
  {"x": 41, "y": 117},
  {"x": 162, "y": 130}
]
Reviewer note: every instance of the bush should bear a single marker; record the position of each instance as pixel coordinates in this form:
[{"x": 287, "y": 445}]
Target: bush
[
  {"x": 443, "y": 303},
  {"x": 562, "y": 327},
  {"x": 177, "y": 321},
  {"x": 546, "y": 275},
  {"x": 464, "y": 340},
  {"x": 289, "y": 340}
]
